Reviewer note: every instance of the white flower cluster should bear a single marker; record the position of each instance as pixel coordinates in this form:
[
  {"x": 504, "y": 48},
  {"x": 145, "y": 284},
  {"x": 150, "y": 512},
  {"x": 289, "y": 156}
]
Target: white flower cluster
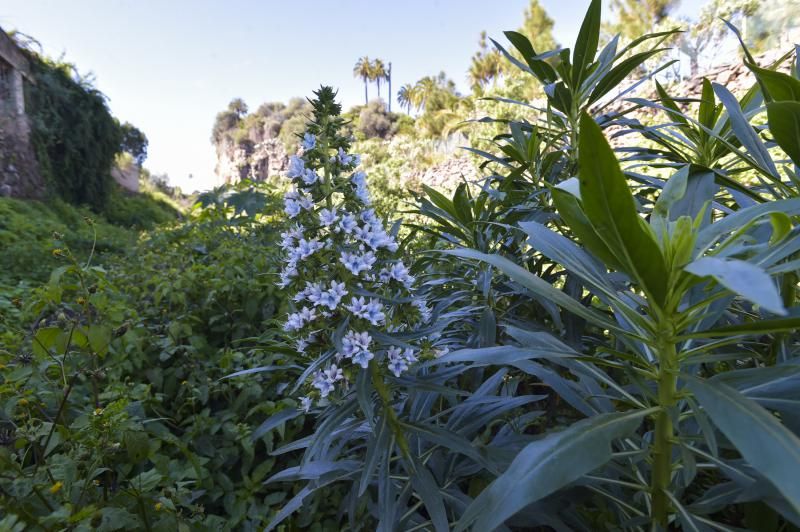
[{"x": 341, "y": 261}]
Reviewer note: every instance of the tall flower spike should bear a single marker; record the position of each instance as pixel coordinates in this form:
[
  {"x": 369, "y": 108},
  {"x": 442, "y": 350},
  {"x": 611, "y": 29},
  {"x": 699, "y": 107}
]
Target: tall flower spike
[{"x": 342, "y": 264}]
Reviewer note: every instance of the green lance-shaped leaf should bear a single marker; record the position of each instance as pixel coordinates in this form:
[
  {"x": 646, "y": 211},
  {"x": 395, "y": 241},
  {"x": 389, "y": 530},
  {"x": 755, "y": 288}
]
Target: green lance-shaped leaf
[
  {"x": 743, "y": 278},
  {"x": 541, "y": 69},
  {"x": 779, "y": 86},
  {"x": 540, "y": 287},
  {"x": 570, "y": 210},
  {"x": 767, "y": 445},
  {"x": 784, "y": 124},
  {"x": 609, "y": 206},
  {"x": 547, "y": 465},
  {"x": 586, "y": 44}
]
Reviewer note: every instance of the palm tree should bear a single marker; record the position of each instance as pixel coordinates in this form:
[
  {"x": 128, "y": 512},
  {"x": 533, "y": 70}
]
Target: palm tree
[
  {"x": 389, "y": 81},
  {"x": 425, "y": 89},
  {"x": 407, "y": 97},
  {"x": 363, "y": 70},
  {"x": 486, "y": 65},
  {"x": 378, "y": 74}
]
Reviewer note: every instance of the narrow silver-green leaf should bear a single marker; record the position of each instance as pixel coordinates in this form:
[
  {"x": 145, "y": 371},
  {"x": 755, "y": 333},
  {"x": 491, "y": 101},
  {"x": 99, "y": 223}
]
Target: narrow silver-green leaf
[
  {"x": 548, "y": 465},
  {"x": 761, "y": 439}
]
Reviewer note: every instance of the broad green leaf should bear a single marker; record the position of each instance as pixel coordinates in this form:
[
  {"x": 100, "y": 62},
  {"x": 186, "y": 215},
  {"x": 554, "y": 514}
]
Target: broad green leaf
[
  {"x": 45, "y": 339},
  {"x": 779, "y": 86},
  {"x": 99, "y": 337},
  {"x": 506, "y": 354},
  {"x": 619, "y": 73},
  {"x": 706, "y": 114},
  {"x": 570, "y": 210},
  {"x": 541, "y": 69},
  {"x": 586, "y": 44},
  {"x": 733, "y": 222},
  {"x": 547, "y": 465},
  {"x": 461, "y": 204},
  {"x": 748, "y": 280},
  {"x": 744, "y": 131},
  {"x": 425, "y": 485},
  {"x": 700, "y": 189},
  {"x": 768, "y": 446},
  {"x": 754, "y": 327},
  {"x": 275, "y": 420},
  {"x": 540, "y": 287},
  {"x": 784, "y": 124},
  {"x": 609, "y": 206},
  {"x": 781, "y": 226}
]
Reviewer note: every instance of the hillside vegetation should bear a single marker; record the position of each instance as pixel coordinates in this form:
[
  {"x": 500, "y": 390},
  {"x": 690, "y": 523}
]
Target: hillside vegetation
[{"x": 594, "y": 334}]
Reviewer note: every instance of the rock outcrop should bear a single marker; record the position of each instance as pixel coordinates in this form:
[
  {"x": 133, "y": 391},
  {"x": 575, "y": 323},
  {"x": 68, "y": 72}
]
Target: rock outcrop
[
  {"x": 446, "y": 175},
  {"x": 262, "y": 161}
]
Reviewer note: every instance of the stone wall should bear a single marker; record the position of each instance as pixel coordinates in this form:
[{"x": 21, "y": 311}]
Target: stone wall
[{"x": 19, "y": 170}]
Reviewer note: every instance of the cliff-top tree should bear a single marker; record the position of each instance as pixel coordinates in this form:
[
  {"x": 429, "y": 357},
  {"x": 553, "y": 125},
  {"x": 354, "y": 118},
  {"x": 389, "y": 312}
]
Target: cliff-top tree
[{"x": 363, "y": 70}]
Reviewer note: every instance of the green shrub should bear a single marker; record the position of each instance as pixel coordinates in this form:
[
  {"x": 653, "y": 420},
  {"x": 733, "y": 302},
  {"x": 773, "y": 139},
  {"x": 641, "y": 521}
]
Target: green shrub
[
  {"x": 74, "y": 136},
  {"x": 151, "y": 434},
  {"x": 29, "y": 230},
  {"x": 138, "y": 211}
]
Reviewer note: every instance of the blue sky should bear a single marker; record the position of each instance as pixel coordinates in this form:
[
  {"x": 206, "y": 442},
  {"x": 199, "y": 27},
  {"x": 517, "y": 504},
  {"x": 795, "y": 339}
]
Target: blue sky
[{"x": 169, "y": 66}]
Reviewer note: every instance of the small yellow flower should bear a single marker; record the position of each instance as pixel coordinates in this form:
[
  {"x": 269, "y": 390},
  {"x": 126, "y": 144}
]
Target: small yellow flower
[
  {"x": 158, "y": 506},
  {"x": 55, "y": 488},
  {"x": 81, "y": 301},
  {"x": 23, "y": 402},
  {"x": 98, "y": 411},
  {"x": 58, "y": 252}
]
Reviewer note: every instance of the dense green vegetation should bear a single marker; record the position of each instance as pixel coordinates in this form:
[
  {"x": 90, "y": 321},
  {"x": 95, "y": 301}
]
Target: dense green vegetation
[{"x": 585, "y": 339}]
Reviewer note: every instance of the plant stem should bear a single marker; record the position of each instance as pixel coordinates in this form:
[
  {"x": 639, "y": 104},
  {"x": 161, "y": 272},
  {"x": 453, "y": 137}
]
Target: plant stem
[
  {"x": 386, "y": 399},
  {"x": 664, "y": 433}
]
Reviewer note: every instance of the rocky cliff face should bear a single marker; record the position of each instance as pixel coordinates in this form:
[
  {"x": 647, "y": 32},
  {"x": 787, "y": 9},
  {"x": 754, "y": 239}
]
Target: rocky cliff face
[
  {"x": 264, "y": 160},
  {"x": 446, "y": 175}
]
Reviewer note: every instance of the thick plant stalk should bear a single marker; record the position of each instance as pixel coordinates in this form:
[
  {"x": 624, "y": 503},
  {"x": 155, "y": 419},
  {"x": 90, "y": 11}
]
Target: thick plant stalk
[
  {"x": 664, "y": 433},
  {"x": 386, "y": 399}
]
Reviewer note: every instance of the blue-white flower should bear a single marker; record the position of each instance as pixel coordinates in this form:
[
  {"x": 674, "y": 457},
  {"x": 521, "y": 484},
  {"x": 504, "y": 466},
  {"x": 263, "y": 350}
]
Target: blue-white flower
[
  {"x": 305, "y": 404},
  {"x": 298, "y": 320},
  {"x": 344, "y": 158},
  {"x": 309, "y": 176},
  {"x": 321, "y": 383},
  {"x": 396, "y": 361},
  {"x": 331, "y": 297},
  {"x": 356, "y": 262},
  {"x": 358, "y": 306},
  {"x": 309, "y": 141},
  {"x": 362, "y": 193},
  {"x": 399, "y": 272},
  {"x": 362, "y": 358},
  {"x": 424, "y": 310},
  {"x": 348, "y": 223},
  {"x": 306, "y": 248},
  {"x": 296, "y": 166},
  {"x": 313, "y": 292},
  {"x": 328, "y": 217},
  {"x": 374, "y": 312},
  {"x": 291, "y": 208},
  {"x": 355, "y": 342},
  {"x": 334, "y": 374}
]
